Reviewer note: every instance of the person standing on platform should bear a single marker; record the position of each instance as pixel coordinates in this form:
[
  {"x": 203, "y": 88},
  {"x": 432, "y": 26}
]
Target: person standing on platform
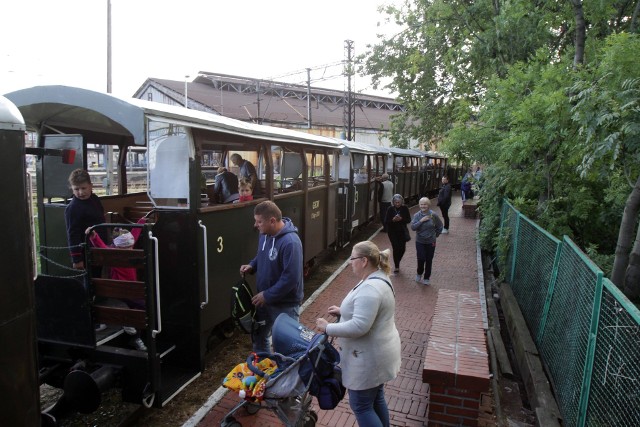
[
  {"x": 397, "y": 218},
  {"x": 444, "y": 202},
  {"x": 278, "y": 268},
  {"x": 428, "y": 227},
  {"x": 247, "y": 171},
  {"x": 370, "y": 349},
  {"x": 385, "y": 194}
]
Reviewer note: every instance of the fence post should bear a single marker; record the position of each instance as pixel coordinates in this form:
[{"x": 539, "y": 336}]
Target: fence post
[
  {"x": 515, "y": 236},
  {"x": 547, "y": 301},
  {"x": 591, "y": 349}
]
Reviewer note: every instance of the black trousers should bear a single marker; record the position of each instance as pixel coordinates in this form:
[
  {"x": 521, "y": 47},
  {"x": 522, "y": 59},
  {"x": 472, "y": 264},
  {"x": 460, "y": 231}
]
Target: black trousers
[
  {"x": 398, "y": 244},
  {"x": 445, "y": 215}
]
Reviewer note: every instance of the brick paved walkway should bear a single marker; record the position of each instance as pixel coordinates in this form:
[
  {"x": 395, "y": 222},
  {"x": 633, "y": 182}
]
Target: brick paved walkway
[{"x": 455, "y": 267}]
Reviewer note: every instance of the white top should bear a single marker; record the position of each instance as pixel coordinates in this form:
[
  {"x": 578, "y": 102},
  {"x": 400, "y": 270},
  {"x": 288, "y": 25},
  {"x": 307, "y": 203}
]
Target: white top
[{"x": 370, "y": 351}]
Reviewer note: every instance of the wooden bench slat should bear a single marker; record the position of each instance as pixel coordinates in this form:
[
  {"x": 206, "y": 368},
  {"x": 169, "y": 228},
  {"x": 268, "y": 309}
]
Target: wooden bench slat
[
  {"x": 114, "y": 257},
  {"x": 120, "y": 316},
  {"x": 118, "y": 288}
]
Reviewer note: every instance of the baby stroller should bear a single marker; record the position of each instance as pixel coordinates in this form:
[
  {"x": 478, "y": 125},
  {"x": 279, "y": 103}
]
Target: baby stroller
[{"x": 306, "y": 367}]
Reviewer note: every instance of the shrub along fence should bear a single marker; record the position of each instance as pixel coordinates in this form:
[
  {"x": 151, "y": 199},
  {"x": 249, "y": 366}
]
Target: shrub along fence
[{"x": 587, "y": 332}]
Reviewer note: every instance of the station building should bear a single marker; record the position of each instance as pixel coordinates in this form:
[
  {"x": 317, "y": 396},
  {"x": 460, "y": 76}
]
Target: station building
[{"x": 293, "y": 106}]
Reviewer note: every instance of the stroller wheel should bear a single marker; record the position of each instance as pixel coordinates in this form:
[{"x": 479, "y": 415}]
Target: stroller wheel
[
  {"x": 310, "y": 421},
  {"x": 313, "y": 415},
  {"x": 252, "y": 408},
  {"x": 230, "y": 421}
]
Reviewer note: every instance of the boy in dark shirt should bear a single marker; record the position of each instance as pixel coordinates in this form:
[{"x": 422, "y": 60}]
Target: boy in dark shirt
[{"x": 84, "y": 211}]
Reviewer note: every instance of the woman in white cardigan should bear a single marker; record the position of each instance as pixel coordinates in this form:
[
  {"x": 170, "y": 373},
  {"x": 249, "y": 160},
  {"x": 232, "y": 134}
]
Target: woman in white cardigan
[{"x": 370, "y": 352}]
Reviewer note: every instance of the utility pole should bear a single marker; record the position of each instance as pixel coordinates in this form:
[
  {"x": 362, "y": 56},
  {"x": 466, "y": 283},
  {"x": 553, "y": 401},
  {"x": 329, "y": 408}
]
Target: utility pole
[
  {"x": 258, "y": 118},
  {"x": 108, "y": 149},
  {"x": 308, "y": 98},
  {"x": 186, "y": 98},
  {"x": 349, "y": 113}
]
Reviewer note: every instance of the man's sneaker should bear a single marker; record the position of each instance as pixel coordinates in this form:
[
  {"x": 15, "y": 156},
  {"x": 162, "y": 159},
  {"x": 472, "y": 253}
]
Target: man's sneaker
[
  {"x": 425, "y": 282},
  {"x": 445, "y": 231},
  {"x": 396, "y": 271},
  {"x": 138, "y": 344},
  {"x": 100, "y": 327},
  {"x": 418, "y": 278}
]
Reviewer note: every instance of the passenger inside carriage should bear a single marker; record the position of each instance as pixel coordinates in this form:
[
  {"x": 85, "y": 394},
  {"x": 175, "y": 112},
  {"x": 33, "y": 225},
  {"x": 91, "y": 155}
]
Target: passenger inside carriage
[{"x": 225, "y": 187}]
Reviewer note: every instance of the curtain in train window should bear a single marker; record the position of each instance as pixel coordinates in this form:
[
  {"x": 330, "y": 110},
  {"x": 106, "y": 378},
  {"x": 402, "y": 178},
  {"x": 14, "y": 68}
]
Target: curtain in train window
[{"x": 170, "y": 151}]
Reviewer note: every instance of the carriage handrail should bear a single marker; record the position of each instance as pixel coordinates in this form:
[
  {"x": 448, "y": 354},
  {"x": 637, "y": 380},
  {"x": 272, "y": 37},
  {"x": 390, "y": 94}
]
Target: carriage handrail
[
  {"x": 206, "y": 266},
  {"x": 157, "y": 274}
]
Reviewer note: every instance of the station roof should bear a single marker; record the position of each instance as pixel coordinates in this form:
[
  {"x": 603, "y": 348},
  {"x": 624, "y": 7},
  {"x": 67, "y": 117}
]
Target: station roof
[{"x": 274, "y": 103}]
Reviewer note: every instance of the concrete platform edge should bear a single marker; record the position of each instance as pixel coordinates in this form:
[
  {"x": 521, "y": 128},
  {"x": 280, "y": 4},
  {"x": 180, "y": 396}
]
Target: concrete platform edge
[{"x": 537, "y": 384}]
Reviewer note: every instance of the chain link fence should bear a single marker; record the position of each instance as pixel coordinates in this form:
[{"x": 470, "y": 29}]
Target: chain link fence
[{"x": 586, "y": 330}]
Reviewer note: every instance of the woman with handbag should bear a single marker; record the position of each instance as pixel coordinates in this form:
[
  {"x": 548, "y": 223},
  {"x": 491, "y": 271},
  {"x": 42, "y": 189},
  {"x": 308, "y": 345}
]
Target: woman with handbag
[
  {"x": 370, "y": 352},
  {"x": 397, "y": 218}
]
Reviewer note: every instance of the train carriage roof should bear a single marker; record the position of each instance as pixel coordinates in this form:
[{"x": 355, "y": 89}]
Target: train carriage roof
[{"x": 75, "y": 108}]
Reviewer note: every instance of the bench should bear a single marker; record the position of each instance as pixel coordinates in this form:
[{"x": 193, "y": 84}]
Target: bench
[
  {"x": 456, "y": 363},
  {"x": 470, "y": 208}
]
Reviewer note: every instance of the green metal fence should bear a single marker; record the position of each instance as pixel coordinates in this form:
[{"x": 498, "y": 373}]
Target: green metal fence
[{"x": 586, "y": 330}]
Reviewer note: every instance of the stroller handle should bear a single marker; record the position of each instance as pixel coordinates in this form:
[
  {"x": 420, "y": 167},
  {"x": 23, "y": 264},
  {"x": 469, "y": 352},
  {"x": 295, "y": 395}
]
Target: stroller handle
[{"x": 253, "y": 358}]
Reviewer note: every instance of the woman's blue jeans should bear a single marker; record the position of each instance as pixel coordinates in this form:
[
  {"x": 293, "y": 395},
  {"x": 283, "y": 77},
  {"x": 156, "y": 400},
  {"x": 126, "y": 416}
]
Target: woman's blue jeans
[{"x": 369, "y": 407}]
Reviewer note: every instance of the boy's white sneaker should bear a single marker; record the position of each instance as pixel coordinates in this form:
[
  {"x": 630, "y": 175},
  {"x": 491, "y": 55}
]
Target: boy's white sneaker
[
  {"x": 445, "y": 231},
  {"x": 418, "y": 278}
]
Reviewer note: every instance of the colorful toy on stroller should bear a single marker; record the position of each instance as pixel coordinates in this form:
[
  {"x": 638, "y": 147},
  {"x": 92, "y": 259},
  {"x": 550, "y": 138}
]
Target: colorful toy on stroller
[{"x": 304, "y": 364}]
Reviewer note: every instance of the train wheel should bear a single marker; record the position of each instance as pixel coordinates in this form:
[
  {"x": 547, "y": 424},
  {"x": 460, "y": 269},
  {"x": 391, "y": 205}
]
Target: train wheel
[
  {"x": 227, "y": 329},
  {"x": 307, "y": 267}
]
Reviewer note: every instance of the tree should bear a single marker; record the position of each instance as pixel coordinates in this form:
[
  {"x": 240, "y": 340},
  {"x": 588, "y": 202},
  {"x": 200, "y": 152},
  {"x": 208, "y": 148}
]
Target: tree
[
  {"x": 544, "y": 93},
  {"x": 608, "y": 112}
]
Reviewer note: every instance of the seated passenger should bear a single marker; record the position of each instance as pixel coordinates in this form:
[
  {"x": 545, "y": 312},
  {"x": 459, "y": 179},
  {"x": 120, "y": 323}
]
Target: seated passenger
[
  {"x": 225, "y": 187},
  {"x": 246, "y": 192}
]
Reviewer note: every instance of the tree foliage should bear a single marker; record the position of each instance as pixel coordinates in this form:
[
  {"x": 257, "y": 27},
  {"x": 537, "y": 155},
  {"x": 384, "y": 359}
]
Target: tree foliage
[{"x": 544, "y": 94}]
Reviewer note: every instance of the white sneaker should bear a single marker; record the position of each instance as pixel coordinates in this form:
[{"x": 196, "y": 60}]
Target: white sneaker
[
  {"x": 100, "y": 327},
  {"x": 425, "y": 282},
  {"x": 445, "y": 231},
  {"x": 418, "y": 278}
]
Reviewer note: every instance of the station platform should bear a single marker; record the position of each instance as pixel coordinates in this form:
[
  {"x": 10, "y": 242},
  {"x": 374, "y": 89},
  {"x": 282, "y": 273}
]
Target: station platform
[{"x": 456, "y": 267}]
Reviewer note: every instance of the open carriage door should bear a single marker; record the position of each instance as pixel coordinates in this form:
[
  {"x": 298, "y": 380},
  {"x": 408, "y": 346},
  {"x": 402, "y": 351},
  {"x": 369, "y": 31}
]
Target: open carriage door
[{"x": 53, "y": 192}]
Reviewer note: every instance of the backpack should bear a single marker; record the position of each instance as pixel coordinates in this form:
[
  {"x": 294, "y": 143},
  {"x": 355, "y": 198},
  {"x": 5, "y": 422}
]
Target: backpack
[
  {"x": 242, "y": 310},
  {"x": 326, "y": 383}
]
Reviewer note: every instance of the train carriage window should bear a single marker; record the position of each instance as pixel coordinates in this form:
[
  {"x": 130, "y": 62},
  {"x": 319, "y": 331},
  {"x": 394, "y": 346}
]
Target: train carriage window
[
  {"x": 170, "y": 151},
  {"x": 136, "y": 165},
  {"x": 360, "y": 167},
  {"x": 344, "y": 167},
  {"x": 287, "y": 169},
  {"x": 315, "y": 162}
]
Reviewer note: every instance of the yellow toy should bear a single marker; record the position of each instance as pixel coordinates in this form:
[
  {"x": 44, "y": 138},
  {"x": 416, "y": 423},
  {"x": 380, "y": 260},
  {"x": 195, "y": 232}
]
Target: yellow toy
[{"x": 246, "y": 383}]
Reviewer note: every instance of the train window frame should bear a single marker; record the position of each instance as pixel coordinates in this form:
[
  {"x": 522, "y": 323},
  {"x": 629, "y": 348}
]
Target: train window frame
[
  {"x": 316, "y": 168},
  {"x": 169, "y": 190}
]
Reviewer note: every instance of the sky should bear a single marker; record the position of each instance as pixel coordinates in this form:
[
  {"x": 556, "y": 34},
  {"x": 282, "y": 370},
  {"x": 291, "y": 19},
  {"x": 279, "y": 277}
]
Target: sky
[{"x": 65, "y": 41}]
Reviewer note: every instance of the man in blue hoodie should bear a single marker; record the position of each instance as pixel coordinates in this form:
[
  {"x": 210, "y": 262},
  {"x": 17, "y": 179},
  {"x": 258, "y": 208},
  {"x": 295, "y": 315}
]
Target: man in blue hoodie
[{"x": 278, "y": 265}]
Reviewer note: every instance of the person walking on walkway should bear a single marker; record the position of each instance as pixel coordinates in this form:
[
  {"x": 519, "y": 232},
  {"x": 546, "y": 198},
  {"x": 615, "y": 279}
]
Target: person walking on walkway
[
  {"x": 278, "y": 265},
  {"x": 428, "y": 227},
  {"x": 444, "y": 202},
  {"x": 385, "y": 193},
  {"x": 370, "y": 351},
  {"x": 397, "y": 217}
]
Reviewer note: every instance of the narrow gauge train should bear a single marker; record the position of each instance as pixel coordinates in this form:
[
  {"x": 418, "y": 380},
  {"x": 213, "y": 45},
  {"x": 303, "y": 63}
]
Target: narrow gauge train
[{"x": 189, "y": 252}]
